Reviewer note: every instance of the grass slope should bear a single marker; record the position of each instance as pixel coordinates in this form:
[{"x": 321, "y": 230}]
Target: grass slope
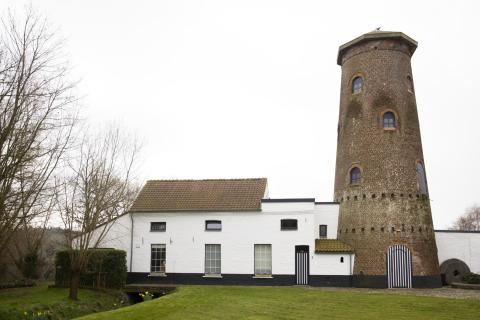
[
  {"x": 52, "y": 303},
  {"x": 210, "y": 302}
]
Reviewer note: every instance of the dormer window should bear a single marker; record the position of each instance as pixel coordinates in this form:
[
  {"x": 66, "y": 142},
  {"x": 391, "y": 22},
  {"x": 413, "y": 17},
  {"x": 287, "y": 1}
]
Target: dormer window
[
  {"x": 357, "y": 85},
  {"x": 389, "y": 121},
  {"x": 355, "y": 175}
]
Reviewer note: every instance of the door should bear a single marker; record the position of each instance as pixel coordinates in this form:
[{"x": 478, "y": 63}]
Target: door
[
  {"x": 399, "y": 267},
  {"x": 302, "y": 264}
]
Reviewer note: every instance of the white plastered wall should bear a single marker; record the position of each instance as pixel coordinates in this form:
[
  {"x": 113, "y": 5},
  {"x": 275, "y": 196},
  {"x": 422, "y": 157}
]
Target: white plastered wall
[
  {"x": 459, "y": 245},
  {"x": 185, "y": 239}
]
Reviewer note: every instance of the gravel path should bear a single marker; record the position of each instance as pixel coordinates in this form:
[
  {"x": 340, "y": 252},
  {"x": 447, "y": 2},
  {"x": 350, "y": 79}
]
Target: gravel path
[{"x": 445, "y": 292}]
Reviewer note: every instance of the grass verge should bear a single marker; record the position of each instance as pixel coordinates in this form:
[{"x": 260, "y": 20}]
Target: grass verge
[{"x": 211, "y": 302}]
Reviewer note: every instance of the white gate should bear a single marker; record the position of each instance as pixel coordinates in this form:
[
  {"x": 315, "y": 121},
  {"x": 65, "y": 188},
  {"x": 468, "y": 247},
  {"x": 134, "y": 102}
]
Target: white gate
[
  {"x": 399, "y": 267},
  {"x": 302, "y": 264}
]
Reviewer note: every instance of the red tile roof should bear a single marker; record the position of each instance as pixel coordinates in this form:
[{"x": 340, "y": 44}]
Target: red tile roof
[
  {"x": 331, "y": 245},
  {"x": 201, "y": 195}
]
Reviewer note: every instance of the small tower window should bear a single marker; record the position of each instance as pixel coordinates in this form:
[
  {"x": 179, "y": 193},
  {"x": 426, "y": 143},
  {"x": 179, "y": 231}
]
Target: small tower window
[
  {"x": 410, "y": 84},
  {"x": 389, "y": 121},
  {"x": 422, "y": 179},
  {"x": 357, "y": 85},
  {"x": 355, "y": 175}
]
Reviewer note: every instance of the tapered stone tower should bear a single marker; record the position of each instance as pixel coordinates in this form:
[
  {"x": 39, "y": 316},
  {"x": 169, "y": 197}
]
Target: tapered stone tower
[{"x": 380, "y": 179}]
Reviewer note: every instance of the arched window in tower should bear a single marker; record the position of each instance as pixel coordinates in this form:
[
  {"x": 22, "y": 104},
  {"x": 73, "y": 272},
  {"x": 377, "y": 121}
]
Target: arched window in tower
[
  {"x": 422, "y": 179},
  {"x": 389, "y": 121},
  {"x": 410, "y": 84},
  {"x": 355, "y": 175},
  {"x": 357, "y": 85}
]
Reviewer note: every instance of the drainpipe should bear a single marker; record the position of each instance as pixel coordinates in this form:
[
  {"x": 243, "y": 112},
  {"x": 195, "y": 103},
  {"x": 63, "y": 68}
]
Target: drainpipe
[{"x": 131, "y": 241}]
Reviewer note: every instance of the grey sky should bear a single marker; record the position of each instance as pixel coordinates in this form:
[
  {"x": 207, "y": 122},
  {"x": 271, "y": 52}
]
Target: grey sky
[{"x": 225, "y": 89}]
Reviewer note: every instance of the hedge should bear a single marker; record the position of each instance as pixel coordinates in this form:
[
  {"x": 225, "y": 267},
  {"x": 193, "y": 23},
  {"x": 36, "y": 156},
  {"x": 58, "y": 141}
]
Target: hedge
[
  {"x": 471, "y": 278},
  {"x": 106, "y": 268},
  {"x": 18, "y": 284}
]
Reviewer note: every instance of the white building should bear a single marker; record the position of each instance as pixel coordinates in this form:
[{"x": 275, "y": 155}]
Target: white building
[
  {"x": 229, "y": 232},
  {"x": 226, "y": 232}
]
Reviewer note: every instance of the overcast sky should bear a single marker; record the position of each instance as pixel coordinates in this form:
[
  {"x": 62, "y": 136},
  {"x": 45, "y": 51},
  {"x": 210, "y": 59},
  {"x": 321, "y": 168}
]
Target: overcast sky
[{"x": 228, "y": 89}]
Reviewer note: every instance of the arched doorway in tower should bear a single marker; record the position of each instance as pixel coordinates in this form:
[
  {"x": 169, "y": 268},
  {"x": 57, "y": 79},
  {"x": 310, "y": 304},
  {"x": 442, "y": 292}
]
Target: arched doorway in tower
[{"x": 399, "y": 267}]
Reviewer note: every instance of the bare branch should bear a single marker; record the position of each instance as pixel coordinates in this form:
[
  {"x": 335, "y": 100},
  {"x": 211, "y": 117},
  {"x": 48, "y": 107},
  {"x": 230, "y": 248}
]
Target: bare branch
[{"x": 37, "y": 114}]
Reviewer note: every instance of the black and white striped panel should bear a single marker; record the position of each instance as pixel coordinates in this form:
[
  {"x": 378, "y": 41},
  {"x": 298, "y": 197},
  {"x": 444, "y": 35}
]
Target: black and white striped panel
[
  {"x": 399, "y": 267},
  {"x": 301, "y": 268}
]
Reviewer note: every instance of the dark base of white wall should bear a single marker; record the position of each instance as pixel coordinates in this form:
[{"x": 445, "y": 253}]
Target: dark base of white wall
[
  {"x": 236, "y": 279},
  {"x": 278, "y": 280},
  {"x": 380, "y": 282}
]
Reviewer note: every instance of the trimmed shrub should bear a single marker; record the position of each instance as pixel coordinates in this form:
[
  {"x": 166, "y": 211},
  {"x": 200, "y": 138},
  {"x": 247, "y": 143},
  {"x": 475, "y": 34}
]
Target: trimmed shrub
[
  {"x": 106, "y": 268},
  {"x": 18, "y": 284},
  {"x": 471, "y": 278}
]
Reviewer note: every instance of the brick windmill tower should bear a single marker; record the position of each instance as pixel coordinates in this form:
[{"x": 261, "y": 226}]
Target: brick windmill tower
[{"x": 380, "y": 178}]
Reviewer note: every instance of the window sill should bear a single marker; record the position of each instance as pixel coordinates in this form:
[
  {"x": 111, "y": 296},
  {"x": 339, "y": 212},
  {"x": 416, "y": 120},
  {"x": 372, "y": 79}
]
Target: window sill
[
  {"x": 157, "y": 274},
  {"x": 389, "y": 129},
  {"x": 262, "y": 277},
  {"x": 212, "y": 276}
]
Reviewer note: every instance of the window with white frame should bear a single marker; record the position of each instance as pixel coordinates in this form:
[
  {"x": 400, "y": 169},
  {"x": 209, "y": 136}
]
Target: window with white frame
[
  {"x": 213, "y": 259},
  {"x": 158, "y": 258},
  {"x": 263, "y": 259},
  {"x": 288, "y": 224},
  {"x": 158, "y": 226},
  {"x": 213, "y": 225}
]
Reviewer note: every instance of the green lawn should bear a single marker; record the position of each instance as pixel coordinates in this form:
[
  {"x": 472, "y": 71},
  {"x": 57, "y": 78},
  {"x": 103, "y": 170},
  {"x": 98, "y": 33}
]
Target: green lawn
[
  {"x": 52, "y": 303},
  {"x": 218, "y": 302}
]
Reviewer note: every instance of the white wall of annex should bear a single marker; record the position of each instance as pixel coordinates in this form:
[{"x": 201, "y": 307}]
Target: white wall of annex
[
  {"x": 118, "y": 236},
  {"x": 185, "y": 240},
  {"x": 330, "y": 263},
  {"x": 326, "y": 214},
  {"x": 462, "y": 246}
]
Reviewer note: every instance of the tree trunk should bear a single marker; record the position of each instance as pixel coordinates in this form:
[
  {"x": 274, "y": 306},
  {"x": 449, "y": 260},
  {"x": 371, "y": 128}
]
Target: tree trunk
[{"x": 74, "y": 284}]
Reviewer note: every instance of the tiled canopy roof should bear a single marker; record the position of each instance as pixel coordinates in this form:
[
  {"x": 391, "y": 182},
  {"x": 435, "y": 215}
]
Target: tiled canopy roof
[
  {"x": 331, "y": 245},
  {"x": 201, "y": 195}
]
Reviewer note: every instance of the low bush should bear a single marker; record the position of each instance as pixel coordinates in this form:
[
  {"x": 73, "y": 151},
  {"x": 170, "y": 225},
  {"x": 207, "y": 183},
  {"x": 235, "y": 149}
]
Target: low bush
[
  {"x": 18, "y": 284},
  {"x": 471, "y": 278},
  {"x": 106, "y": 268}
]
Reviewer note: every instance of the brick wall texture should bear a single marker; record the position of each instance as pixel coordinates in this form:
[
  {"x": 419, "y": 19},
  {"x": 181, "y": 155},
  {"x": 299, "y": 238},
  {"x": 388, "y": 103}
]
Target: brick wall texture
[{"x": 386, "y": 207}]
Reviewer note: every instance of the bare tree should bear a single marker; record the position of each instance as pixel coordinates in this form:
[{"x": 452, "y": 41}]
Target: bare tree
[
  {"x": 36, "y": 119},
  {"x": 95, "y": 194},
  {"x": 469, "y": 221}
]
